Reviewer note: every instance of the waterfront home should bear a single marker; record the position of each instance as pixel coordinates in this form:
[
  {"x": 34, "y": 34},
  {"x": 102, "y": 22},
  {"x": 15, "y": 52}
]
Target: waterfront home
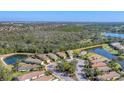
[
  {"x": 53, "y": 56},
  {"x": 33, "y": 61},
  {"x": 27, "y": 67},
  {"x": 109, "y": 76},
  {"x": 96, "y": 58},
  {"x": 31, "y": 76},
  {"x": 70, "y": 54},
  {"x": 61, "y": 55},
  {"x": 43, "y": 57},
  {"x": 117, "y": 45},
  {"x": 99, "y": 64}
]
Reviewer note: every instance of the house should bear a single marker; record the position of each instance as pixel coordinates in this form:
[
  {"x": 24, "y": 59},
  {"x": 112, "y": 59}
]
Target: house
[
  {"x": 43, "y": 57},
  {"x": 31, "y": 76},
  {"x": 83, "y": 53},
  {"x": 109, "y": 76},
  {"x": 117, "y": 45},
  {"x": 61, "y": 55},
  {"x": 44, "y": 78},
  {"x": 27, "y": 67},
  {"x": 33, "y": 61},
  {"x": 104, "y": 69},
  {"x": 70, "y": 54},
  {"x": 99, "y": 64},
  {"x": 53, "y": 56}
]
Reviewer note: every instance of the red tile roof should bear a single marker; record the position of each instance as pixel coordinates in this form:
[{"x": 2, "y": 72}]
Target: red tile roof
[
  {"x": 100, "y": 64},
  {"x": 30, "y": 75}
]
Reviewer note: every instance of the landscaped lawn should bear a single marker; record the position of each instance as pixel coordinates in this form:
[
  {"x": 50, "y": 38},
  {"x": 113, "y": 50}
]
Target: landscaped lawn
[
  {"x": 16, "y": 74},
  {"x": 109, "y": 49},
  {"x": 77, "y": 51}
]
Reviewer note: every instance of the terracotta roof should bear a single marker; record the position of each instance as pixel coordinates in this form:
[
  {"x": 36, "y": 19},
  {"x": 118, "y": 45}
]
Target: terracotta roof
[
  {"x": 61, "y": 54},
  {"x": 109, "y": 76},
  {"x": 52, "y": 56},
  {"x": 105, "y": 68},
  {"x": 30, "y": 75},
  {"x": 43, "y": 57},
  {"x": 100, "y": 64},
  {"x": 44, "y": 78}
]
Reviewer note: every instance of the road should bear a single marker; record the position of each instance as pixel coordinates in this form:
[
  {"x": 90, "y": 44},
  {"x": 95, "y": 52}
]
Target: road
[{"x": 80, "y": 74}]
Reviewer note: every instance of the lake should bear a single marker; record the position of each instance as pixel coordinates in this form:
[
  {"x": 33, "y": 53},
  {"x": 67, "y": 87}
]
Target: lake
[
  {"x": 104, "y": 53},
  {"x": 122, "y": 64},
  {"x": 14, "y": 58},
  {"x": 114, "y": 35}
]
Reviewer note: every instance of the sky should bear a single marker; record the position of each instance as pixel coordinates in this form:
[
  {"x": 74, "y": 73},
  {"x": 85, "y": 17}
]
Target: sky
[{"x": 63, "y": 16}]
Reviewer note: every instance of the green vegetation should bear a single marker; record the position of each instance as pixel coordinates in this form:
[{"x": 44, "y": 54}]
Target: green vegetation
[
  {"x": 115, "y": 66},
  {"x": 66, "y": 67},
  {"x": 109, "y": 49},
  {"x": 91, "y": 73},
  {"x": 5, "y": 74},
  {"x": 47, "y": 73},
  {"x": 44, "y": 38}
]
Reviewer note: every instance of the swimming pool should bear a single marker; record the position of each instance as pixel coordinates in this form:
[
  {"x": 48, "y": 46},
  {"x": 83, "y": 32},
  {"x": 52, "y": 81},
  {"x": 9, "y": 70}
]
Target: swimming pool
[
  {"x": 14, "y": 58},
  {"x": 114, "y": 35},
  {"x": 104, "y": 53}
]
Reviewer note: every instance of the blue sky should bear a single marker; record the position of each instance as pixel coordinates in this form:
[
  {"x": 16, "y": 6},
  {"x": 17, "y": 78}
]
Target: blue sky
[{"x": 76, "y": 16}]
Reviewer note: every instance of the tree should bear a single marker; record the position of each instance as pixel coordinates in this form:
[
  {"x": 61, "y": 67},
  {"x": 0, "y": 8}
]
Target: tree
[
  {"x": 5, "y": 74},
  {"x": 66, "y": 67},
  {"x": 47, "y": 73},
  {"x": 115, "y": 66}
]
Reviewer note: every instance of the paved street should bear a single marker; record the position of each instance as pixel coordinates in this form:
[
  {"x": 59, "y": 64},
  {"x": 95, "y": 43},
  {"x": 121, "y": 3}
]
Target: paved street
[{"x": 79, "y": 73}]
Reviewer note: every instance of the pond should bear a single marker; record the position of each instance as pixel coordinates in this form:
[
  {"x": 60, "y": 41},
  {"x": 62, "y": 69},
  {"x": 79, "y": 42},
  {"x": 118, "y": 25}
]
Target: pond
[
  {"x": 14, "y": 58},
  {"x": 114, "y": 35},
  {"x": 104, "y": 53},
  {"x": 122, "y": 64}
]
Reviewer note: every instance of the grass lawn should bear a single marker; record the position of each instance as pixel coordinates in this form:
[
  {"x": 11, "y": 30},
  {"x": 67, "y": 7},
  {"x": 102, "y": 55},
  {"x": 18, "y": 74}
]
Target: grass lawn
[
  {"x": 16, "y": 74},
  {"x": 109, "y": 49},
  {"x": 77, "y": 51}
]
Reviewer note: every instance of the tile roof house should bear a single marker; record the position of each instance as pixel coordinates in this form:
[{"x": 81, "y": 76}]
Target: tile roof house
[
  {"x": 33, "y": 61},
  {"x": 61, "y": 55},
  {"x": 83, "y": 53},
  {"x": 70, "y": 54},
  {"x": 44, "y": 78},
  {"x": 104, "y": 69},
  {"x": 109, "y": 76},
  {"x": 53, "y": 56},
  {"x": 27, "y": 67},
  {"x": 43, "y": 57},
  {"x": 99, "y": 64},
  {"x": 117, "y": 45},
  {"x": 30, "y": 76}
]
